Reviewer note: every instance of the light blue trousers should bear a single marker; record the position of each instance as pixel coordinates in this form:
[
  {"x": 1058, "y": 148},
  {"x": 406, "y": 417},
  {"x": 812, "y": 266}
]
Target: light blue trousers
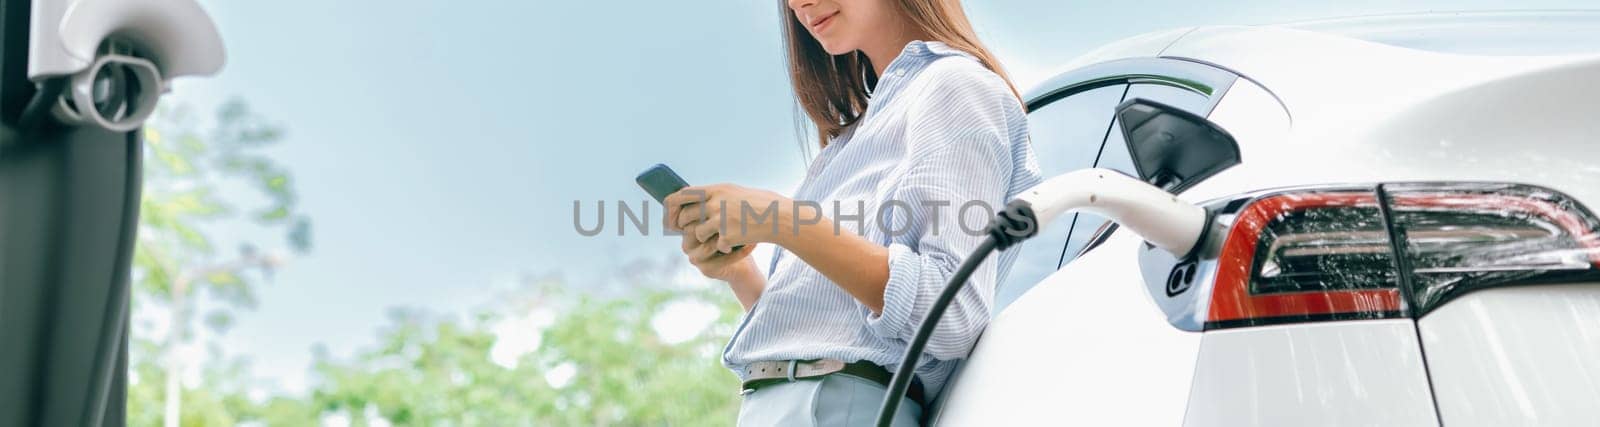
[{"x": 834, "y": 400}]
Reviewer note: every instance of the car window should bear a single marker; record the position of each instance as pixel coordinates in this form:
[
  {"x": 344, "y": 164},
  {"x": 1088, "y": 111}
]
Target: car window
[
  {"x": 1067, "y": 135},
  {"x": 1114, "y": 154}
]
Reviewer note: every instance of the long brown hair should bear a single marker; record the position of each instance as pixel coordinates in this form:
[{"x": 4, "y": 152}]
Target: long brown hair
[{"x": 833, "y": 89}]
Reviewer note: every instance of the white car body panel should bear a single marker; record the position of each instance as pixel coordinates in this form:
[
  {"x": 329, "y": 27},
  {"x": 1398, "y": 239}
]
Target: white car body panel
[
  {"x": 1517, "y": 356},
  {"x": 1353, "y": 117},
  {"x": 1048, "y": 360},
  {"x": 1143, "y": 45},
  {"x": 1320, "y": 374},
  {"x": 1087, "y": 346}
]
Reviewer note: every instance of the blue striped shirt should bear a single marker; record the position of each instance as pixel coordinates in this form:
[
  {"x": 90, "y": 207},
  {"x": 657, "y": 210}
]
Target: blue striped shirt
[{"x": 942, "y": 136}]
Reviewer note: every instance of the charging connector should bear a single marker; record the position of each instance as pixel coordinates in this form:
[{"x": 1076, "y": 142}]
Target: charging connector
[{"x": 1158, "y": 216}]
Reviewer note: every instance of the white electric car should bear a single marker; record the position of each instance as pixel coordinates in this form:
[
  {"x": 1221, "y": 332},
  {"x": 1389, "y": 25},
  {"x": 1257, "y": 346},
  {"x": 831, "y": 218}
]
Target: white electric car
[{"x": 1410, "y": 238}]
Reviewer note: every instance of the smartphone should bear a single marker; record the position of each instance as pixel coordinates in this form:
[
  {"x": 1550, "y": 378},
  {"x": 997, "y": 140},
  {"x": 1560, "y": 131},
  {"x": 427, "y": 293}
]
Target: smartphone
[{"x": 660, "y": 181}]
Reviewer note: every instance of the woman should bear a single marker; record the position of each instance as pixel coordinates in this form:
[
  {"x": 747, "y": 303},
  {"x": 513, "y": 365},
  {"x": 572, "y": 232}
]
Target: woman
[{"x": 918, "y": 125}]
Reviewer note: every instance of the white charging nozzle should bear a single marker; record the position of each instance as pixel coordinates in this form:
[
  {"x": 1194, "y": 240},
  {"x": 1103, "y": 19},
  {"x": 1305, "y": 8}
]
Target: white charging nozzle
[
  {"x": 1150, "y": 212},
  {"x": 1158, "y": 216}
]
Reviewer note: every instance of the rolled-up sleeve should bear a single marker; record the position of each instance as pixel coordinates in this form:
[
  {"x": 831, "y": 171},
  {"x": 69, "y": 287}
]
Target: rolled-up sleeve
[{"x": 959, "y": 158}]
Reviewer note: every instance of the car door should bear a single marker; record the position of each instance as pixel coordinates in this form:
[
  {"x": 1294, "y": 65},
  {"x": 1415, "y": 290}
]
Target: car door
[
  {"x": 1054, "y": 354},
  {"x": 1067, "y": 134},
  {"x": 1091, "y": 228},
  {"x": 1073, "y": 127}
]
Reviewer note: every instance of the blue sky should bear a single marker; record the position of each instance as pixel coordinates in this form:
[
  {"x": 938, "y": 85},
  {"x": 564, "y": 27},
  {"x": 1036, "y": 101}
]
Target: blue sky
[{"x": 439, "y": 146}]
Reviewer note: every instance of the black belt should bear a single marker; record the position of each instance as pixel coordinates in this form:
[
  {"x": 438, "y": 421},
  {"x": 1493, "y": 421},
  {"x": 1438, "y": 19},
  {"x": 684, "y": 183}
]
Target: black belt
[{"x": 762, "y": 374}]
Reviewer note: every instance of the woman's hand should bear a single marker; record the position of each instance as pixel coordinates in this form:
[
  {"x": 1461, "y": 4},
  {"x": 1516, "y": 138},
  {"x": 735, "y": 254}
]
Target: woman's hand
[
  {"x": 737, "y": 268},
  {"x": 710, "y": 218},
  {"x": 727, "y": 267},
  {"x": 727, "y": 216}
]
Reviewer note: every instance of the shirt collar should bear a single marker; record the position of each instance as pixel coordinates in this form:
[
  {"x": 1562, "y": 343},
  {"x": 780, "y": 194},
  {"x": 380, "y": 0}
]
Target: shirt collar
[
  {"x": 916, "y": 54},
  {"x": 921, "y": 50},
  {"x": 932, "y": 48}
]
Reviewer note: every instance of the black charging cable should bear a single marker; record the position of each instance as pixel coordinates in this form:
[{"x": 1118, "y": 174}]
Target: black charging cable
[
  {"x": 36, "y": 114},
  {"x": 1009, "y": 227}
]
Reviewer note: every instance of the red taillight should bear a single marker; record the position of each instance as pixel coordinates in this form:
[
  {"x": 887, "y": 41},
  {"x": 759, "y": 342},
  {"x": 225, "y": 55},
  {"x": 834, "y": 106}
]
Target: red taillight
[
  {"x": 1233, "y": 300},
  {"x": 1332, "y": 254},
  {"x": 1570, "y": 220},
  {"x": 1462, "y": 237}
]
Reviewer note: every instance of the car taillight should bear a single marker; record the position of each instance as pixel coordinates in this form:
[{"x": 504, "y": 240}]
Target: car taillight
[
  {"x": 1462, "y": 237},
  {"x": 1317, "y": 255},
  {"x": 1310, "y": 256}
]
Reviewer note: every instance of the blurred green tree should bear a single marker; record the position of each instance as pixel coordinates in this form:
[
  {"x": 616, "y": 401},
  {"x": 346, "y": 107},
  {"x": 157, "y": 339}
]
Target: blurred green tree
[
  {"x": 199, "y": 172},
  {"x": 542, "y": 355},
  {"x": 593, "y": 361},
  {"x": 221, "y": 399}
]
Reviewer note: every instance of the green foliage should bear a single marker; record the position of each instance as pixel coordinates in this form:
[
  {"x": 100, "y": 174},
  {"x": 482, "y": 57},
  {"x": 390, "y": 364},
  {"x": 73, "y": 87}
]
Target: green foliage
[
  {"x": 221, "y": 401},
  {"x": 439, "y": 371},
  {"x": 189, "y": 164},
  {"x": 425, "y": 369}
]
